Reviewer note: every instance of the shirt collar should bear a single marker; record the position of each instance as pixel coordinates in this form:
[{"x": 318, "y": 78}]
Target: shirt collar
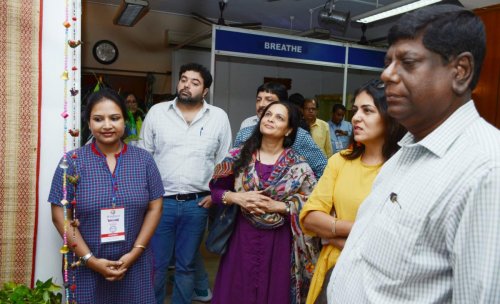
[
  {"x": 173, "y": 106},
  {"x": 96, "y": 151},
  {"x": 439, "y": 140}
]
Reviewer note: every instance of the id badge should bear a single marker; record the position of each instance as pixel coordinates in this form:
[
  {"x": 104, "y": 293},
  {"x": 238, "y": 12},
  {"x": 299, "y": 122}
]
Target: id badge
[
  {"x": 338, "y": 145},
  {"x": 112, "y": 225}
]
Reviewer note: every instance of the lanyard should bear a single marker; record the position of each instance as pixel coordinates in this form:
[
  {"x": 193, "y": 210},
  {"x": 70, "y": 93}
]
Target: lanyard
[
  {"x": 114, "y": 179},
  {"x": 113, "y": 175}
]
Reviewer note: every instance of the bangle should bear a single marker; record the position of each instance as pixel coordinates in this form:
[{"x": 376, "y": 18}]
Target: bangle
[
  {"x": 334, "y": 227},
  {"x": 140, "y": 246},
  {"x": 224, "y": 196},
  {"x": 84, "y": 259}
]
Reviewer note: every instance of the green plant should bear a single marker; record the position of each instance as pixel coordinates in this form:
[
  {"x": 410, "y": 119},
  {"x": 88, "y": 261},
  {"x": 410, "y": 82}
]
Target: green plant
[
  {"x": 43, "y": 293},
  {"x": 130, "y": 138}
]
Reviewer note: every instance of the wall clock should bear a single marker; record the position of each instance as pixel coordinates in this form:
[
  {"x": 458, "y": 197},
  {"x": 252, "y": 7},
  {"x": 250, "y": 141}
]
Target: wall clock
[{"x": 105, "y": 51}]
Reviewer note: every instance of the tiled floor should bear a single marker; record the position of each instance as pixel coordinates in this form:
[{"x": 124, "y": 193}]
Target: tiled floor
[{"x": 211, "y": 264}]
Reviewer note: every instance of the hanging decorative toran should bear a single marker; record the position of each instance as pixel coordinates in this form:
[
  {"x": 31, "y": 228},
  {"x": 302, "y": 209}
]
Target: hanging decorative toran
[{"x": 69, "y": 76}]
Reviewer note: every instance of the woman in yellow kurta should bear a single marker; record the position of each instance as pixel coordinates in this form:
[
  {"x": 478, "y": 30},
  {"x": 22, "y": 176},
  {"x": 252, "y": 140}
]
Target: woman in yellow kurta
[{"x": 332, "y": 207}]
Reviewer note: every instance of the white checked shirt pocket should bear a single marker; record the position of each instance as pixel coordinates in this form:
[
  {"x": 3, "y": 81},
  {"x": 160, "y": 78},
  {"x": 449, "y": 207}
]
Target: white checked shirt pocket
[
  {"x": 391, "y": 239},
  {"x": 206, "y": 147}
]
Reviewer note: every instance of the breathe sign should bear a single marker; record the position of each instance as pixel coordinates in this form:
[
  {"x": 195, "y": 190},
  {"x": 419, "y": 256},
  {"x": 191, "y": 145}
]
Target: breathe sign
[
  {"x": 244, "y": 43},
  {"x": 283, "y": 47}
]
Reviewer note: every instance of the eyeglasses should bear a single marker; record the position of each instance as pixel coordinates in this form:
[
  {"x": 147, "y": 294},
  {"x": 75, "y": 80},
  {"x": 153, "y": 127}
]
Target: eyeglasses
[{"x": 310, "y": 109}]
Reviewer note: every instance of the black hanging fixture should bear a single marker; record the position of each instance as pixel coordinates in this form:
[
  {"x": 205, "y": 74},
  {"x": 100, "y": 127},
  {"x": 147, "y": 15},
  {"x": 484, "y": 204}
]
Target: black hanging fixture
[
  {"x": 363, "y": 40},
  {"x": 330, "y": 18},
  {"x": 221, "y": 21}
]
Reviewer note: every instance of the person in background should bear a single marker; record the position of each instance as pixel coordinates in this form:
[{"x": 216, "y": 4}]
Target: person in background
[
  {"x": 115, "y": 180},
  {"x": 348, "y": 178},
  {"x": 187, "y": 137},
  {"x": 340, "y": 130},
  {"x": 135, "y": 116},
  {"x": 428, "y": 231},
  {"x": 303, "y": 144},
  {"x": 298, "y": 100},
  {"x": 318, "y": 128},
  {"x": 268, "y": 259},
  {"x": 266, "y": 93}
]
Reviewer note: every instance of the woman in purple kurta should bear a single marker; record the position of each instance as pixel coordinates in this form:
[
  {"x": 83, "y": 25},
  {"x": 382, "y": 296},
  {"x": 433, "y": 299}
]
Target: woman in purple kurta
[
  {"x": 111, "y": 174},
  {"x": 268, "y": 259}
]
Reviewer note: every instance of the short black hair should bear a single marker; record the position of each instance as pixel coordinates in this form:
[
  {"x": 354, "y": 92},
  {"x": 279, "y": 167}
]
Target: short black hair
[
  {"x": 101, "y": 95},
  {"x": 275, "y": 88},
  {"x": 297, "y": 99},
  {"x": 337, "y": 106},
  {"x": 196, "y": 67},
  {"x": 447, "y": 30}
]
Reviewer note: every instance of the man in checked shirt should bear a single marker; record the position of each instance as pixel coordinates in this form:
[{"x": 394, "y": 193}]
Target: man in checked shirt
[
  {"x": 187, "y": 137},
  {"x": 429, "y": 231}
]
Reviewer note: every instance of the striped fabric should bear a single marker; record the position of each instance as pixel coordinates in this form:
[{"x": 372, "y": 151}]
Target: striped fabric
[
  {"x": 186, "y": 154},
  {"x": 429, "y": 231},
  {"x": 19, "y": 96}
]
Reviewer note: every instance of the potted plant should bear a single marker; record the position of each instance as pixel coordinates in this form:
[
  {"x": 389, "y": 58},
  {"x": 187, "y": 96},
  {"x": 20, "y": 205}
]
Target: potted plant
[{"x": 43, "y": 293}]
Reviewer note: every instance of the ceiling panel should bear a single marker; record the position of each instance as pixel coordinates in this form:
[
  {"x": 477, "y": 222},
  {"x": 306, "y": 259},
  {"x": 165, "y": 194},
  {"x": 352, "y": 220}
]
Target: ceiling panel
[{"x": 293, "y": 16}]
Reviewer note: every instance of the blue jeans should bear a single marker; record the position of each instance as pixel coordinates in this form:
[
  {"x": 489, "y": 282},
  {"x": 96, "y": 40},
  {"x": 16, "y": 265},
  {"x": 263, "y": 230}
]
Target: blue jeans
[
  {"x": 182, "y": 227},
  {"x": 200, "y": 276}
]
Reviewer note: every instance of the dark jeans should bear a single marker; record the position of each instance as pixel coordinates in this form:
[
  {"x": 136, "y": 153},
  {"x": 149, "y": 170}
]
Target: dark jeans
[{"x": 182, "y": 227}]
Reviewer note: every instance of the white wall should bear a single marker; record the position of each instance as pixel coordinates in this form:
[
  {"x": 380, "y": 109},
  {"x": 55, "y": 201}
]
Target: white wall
[{"x": 48, "y": 258}]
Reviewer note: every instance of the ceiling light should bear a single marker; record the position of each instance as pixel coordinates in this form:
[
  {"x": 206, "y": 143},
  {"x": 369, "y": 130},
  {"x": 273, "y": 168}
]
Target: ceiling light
[
  {"x": 393, "y": 9},
  {"x": 130, "y": 12}
]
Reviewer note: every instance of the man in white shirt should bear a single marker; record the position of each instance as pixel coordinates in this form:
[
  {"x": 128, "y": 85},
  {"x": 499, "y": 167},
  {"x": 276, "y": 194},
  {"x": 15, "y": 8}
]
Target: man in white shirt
[
  {"x": 187, "y": 137},
  {"x": 428, "y": 232}
]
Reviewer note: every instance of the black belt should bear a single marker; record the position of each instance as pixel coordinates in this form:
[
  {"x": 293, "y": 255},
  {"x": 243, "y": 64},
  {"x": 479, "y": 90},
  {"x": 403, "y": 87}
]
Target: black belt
[{"x": 188, "y": 196}]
